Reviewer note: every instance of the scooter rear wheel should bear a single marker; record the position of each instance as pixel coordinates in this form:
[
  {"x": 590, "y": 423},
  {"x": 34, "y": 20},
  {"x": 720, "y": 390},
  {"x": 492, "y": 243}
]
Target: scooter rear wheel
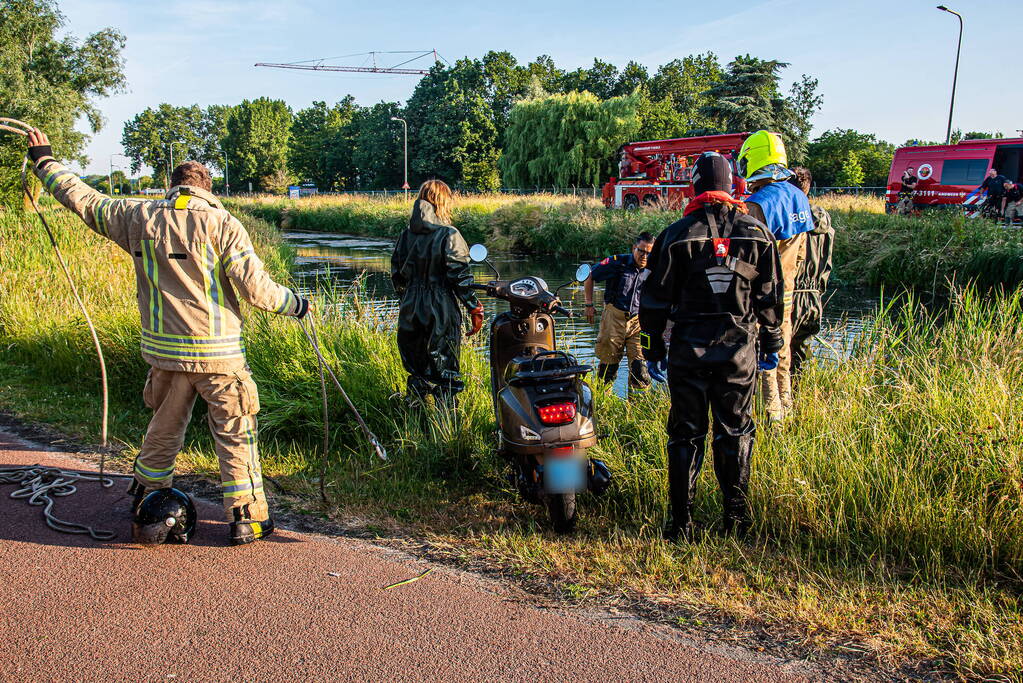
[{"x": 561, "y": 507}]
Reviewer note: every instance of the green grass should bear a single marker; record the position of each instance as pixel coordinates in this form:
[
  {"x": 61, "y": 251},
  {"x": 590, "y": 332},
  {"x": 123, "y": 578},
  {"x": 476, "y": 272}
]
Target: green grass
[{"x": 888, "y": 510}]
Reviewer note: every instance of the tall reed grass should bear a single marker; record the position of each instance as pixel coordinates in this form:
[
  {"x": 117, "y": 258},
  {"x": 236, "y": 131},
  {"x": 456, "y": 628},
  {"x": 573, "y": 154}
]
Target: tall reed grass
[{"x": 889, "y": 509}]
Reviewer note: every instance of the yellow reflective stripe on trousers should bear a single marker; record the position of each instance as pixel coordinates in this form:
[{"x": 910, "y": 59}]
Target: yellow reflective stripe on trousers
[
  {"x": 153, "y": 474},
  {"x": 152, "y": 273}
]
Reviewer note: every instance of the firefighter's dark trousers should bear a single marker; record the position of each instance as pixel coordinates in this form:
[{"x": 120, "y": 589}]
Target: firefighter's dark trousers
[{"x": 726, "y": 389}]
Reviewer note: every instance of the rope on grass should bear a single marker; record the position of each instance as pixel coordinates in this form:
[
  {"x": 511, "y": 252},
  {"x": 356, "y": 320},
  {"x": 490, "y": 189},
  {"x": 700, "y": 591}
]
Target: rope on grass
[
  {"x": 39, "y": 485},
  {"x": 314, "y": 343}
]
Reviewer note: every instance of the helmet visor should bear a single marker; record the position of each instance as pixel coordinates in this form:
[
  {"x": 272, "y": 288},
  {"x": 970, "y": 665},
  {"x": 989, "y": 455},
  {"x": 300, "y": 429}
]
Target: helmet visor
[{"x": 740, "y": 166}]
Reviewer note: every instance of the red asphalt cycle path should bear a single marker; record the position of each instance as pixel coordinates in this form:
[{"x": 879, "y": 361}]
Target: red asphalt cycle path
[{"x": 72, "y": 608}]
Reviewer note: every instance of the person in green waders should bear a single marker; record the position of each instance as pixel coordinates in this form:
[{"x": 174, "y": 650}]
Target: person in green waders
[{"x": 430, "y": 272}]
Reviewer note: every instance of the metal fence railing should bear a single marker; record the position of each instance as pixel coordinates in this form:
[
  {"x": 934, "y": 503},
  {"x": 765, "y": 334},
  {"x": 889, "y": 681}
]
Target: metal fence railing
[
  {"x": 869, "y": 191},
  {"x": 593, "y": 192}
]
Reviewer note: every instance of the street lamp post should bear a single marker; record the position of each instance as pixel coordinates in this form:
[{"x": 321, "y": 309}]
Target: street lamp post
[
  {"x": 404, "y": 125},
  {"x": 170, "y": 169},
  {"x": 955, "y": 75},
  {"x": 227, "y": 180},
  {"x": 110, "y": 172}
]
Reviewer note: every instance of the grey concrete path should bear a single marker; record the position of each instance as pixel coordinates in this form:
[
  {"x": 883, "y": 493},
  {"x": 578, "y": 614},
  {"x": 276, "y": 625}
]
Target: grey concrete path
[{"x": 295, "y": 607}]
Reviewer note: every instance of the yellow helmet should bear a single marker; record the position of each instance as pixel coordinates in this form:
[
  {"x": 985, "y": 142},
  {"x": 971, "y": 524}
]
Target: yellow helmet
[{"x": 758, "y": 153}]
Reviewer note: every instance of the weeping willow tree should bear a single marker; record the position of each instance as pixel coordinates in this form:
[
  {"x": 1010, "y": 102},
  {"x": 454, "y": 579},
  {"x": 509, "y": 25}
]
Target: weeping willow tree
[{"x": 569, "y": 139}]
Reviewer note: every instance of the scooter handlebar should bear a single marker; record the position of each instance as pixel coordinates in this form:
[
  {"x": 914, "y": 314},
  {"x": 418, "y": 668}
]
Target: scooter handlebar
[
  {"x": 482, "y": 288},
  {"x": 562, "y": 310}
]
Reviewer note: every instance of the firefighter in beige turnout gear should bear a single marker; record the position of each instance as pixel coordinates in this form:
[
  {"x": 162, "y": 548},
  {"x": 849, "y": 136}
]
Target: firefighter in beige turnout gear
[{"x": 191, "y": 257}]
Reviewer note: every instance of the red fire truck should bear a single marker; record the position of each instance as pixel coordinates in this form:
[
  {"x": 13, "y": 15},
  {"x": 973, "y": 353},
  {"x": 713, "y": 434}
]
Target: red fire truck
[
  {"x": 951, "y": 174},
  {"x": 658, "y": 172}
]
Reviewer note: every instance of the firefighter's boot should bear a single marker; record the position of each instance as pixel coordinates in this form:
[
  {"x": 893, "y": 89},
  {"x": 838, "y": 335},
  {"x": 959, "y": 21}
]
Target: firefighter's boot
[
  {"x": 639, "y": 376},
  {"x": 244, "y": 529},
  {"x": 685, "y": 457},
  {"x": 732, "y": 456},
  {"x": 137, "y": 492},
  {"x": 607, "y": 372}
]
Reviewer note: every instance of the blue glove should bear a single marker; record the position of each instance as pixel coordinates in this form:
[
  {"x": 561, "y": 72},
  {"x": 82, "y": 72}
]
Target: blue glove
[
  {"x": 658, "y": 370},
  {"x": 768, "y": 361}
]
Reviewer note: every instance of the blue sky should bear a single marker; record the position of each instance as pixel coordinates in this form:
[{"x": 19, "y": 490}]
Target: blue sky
[{"x": 884, "y": 67}]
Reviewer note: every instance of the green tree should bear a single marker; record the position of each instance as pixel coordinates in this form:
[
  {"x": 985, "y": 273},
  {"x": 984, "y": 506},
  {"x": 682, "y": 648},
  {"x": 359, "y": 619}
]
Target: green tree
[
  {"x": 795, "y": 119},
  {"x": 549, "y": 76},
  {"x": 568, "y": 139},
  {"x": 315, "y": 130},
  {"x": 257, "y": 143},
  {"x": 213, "y": 130},
  {"x": 850, "y": 174},
  {"x": 452, "y": 129},
  {"x": 340, "y": 147},
  {"x": 980, "y": 135},
  {"x": 828, "y": 154},
  {"x": 51, "y": 83},
  {"x": 506, "y": 82},
  {"x": 120, "y": 181},
  {"x": 748, "y": 98},
  {"x": 155, "y": 136},
  {"x": 684, "y": 84},
  {"x": 377, "y": 147},
  {"x": 601, "y": 79},
  {"x": 660, "y": 119},
  {"x": 633, "y": 76}
]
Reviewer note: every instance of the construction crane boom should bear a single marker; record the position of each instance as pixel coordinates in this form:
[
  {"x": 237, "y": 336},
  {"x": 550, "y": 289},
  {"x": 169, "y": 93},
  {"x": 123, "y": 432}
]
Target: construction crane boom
[
  {"x": 318, "y": 64},
  {"x": 355, "y": 69}
]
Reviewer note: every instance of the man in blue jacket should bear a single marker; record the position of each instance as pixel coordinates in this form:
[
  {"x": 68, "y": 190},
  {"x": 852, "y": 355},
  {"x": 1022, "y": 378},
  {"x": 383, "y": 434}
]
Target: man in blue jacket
[
  {"x": 619, "y": 323},
  {"x": 785, "y": 210}
]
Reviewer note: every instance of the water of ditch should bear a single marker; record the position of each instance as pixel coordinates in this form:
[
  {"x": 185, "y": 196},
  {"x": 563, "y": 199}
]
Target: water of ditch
[{"x": 345, "y": 259}]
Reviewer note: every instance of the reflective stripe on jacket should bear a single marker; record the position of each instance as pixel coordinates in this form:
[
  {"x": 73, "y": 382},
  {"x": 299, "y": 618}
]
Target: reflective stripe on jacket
[{"x": 192, "y": 260}]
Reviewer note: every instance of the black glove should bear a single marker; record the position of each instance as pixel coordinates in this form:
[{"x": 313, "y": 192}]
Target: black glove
[
  {"x": 38, "y": 152},
  {"x": 303, "y": 305}
]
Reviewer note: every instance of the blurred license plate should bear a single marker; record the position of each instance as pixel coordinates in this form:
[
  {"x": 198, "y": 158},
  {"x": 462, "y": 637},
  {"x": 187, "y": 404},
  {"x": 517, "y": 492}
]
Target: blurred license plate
[{"x": 564, "y": 475}]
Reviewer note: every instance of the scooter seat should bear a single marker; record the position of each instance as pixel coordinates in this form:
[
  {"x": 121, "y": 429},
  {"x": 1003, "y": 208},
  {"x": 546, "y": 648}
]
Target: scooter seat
[{"x": 546, "y": 366}]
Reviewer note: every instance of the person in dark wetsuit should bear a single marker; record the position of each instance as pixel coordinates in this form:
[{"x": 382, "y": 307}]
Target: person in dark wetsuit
[{"x": 430, "y": 272}]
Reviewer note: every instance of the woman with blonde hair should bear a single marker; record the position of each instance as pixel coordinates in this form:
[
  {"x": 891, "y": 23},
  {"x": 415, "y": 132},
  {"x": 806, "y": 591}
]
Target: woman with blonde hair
[{"x": 430, "y": 272}]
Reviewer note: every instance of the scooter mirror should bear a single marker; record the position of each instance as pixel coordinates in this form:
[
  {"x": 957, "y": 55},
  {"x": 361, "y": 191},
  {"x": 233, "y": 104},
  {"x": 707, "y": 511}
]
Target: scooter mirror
[
  {"x": 582, "y": 272},
  {"x": 478, "y": 253}
]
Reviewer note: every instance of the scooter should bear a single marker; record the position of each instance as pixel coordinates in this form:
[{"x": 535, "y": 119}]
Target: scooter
[{"x": 543, "y": 406}]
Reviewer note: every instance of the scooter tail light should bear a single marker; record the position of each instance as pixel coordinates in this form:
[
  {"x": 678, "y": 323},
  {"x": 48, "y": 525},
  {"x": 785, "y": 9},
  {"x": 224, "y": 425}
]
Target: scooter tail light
[{"x": 556, "y": 413}]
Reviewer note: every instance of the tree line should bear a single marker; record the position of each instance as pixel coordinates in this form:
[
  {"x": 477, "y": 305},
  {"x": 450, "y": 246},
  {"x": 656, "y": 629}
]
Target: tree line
[
  {"x": 480, "y": 124},
  {"x": 485, "y": 123}
]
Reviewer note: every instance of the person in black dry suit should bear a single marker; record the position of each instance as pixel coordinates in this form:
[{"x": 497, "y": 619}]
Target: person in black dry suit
[
  {"x": 716, "y": 274},
  {"x": 430, "y": 272}
]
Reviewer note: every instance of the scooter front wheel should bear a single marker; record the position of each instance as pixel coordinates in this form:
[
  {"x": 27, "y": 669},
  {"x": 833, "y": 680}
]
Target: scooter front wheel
[{"x": 561, "y": 507}]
